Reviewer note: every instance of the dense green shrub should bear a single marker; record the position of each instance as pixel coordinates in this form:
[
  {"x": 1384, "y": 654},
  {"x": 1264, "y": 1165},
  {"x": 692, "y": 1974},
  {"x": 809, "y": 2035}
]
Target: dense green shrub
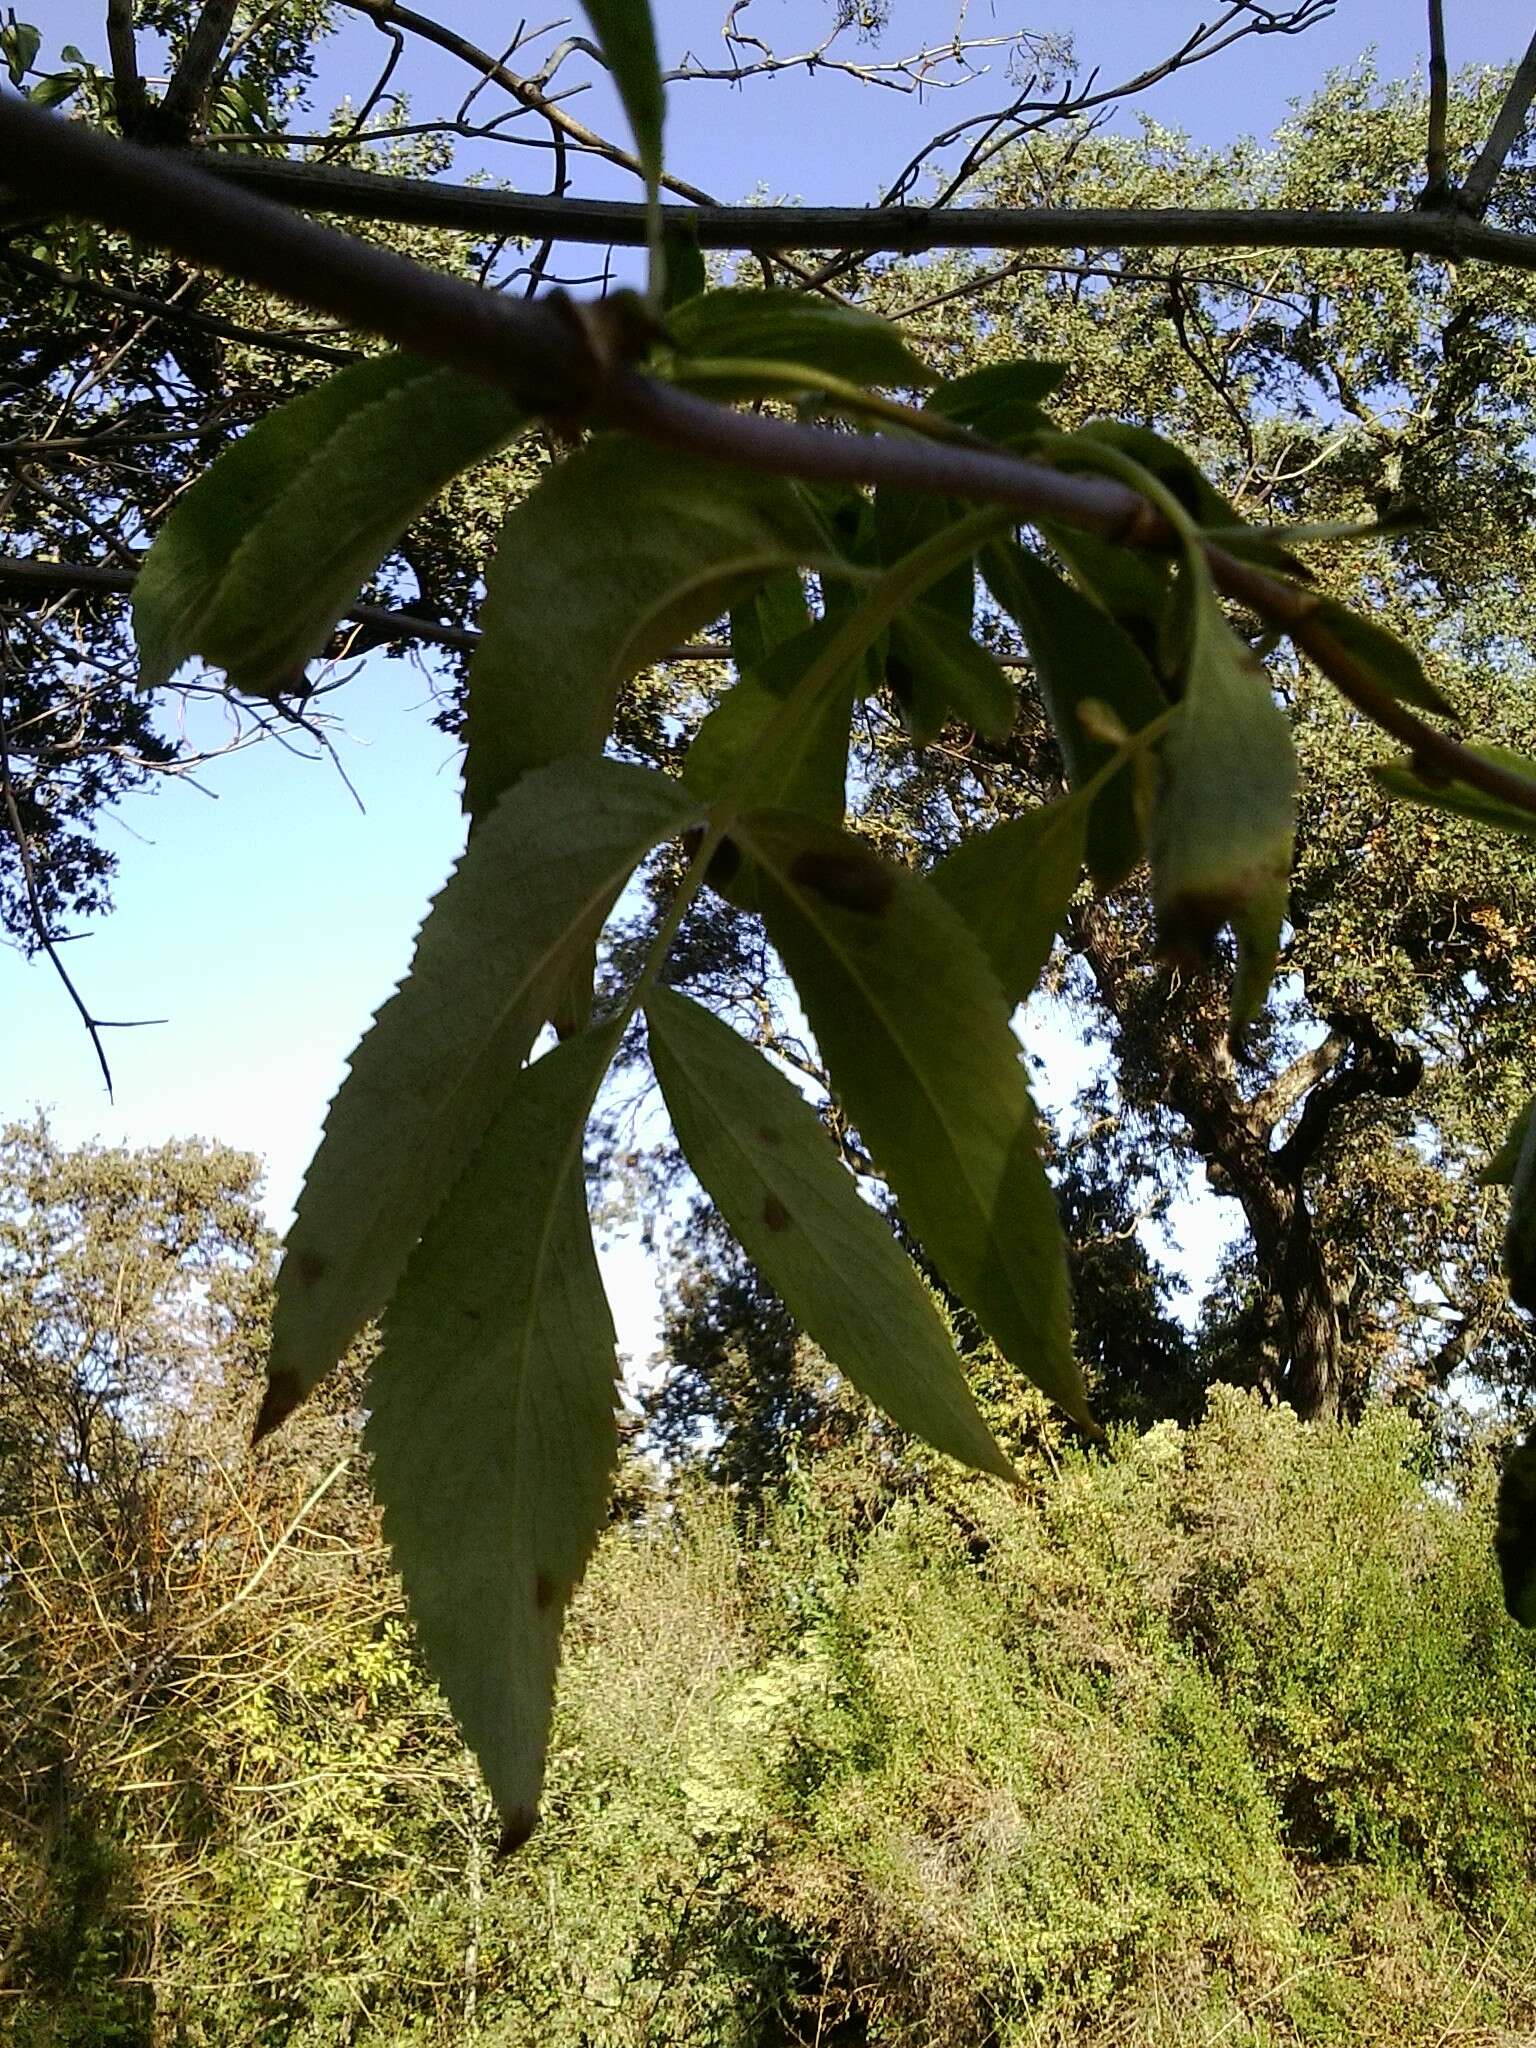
[{"x": 1219, "y": 1738}]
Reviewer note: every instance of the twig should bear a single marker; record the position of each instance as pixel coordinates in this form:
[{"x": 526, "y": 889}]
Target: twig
[
  {"x": 1506, "y": 131},
  {"x": 185, "y": 102}
]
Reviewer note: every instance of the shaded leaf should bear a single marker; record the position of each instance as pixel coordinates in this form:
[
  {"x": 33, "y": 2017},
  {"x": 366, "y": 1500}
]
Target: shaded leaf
[
  {"x": 261, "y": 557},
  {"x": 793, "y": 327},
  {"x": 1181, "y": 475},
  {"x": 1012, "y": 886},
  {"x": 628, "y": 39},
  {"x": 1224, "y": 819},
  {"x": 941, "y": 659},
  {"x": 914, "y": 1030},
  {"x": 770, "y": 616},
  {"x": 492, "y": 1431},
  {"x": 540, "y": 876},
  {"x": 808, "y": 769},
  {"x": 682, "y": 264},
  {"x": 620, "y": 551},
  {"x": 1520, "y": 1230},
  {"x": 765, "y": 1161},
  {"x": 1079, "y": 652},
  {"x": 1003, "y": 401}
]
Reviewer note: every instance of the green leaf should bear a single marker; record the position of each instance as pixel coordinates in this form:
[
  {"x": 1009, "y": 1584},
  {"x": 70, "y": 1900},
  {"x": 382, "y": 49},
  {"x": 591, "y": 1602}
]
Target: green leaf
[
  {"x": 1514, "y": 1538},
  {"x": 1002, "y": 401},
  {"x": 1181, "y": 475},
  {"x": 620, "y": 551},
  {"x": 1385, "y": 658},
  {"x": 492, "y": 1431},
  {"x": 682, "y": 264},
  {"x": 623, "y": 28},
  {"x": 1500, "y": 1170},
  {"x": 914, "y": 1030},
  {"x": 792, "y": 327},
  {"x": 1012, "y": 886},
  {"x": 1403, "y": 779},
  {"x": 263, "y": 555},
  {"x": 1079, "y": 652},
  {"x": 54, "y": 88},
  {"x": 1224, "y": 820},
  {"x": 19, "y": 44},
  {"x": 541, "y": 874},
  {"x": 769, "y": 617},
  {"x": 935, "y": 656},
  {"x": 808, "y": 769},
  {"x": 762, "y": 1156}
]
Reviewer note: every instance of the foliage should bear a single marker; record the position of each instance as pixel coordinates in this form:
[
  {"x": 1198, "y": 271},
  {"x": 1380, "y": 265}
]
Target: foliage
[
  {"x": 443, "y": 1196},
  {"x": 1219, "y": 1731}
]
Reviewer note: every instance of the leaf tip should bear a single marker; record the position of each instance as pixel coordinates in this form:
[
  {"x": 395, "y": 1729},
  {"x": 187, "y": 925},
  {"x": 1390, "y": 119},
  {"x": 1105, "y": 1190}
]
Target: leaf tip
[
  {"x": 283, "y": 1394},
  {"x": 516, "y": 1828}
]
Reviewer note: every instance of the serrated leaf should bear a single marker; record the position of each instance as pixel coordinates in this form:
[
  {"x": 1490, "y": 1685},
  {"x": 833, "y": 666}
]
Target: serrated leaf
[
  {"x": 940, "y": 659},
  {"x": 768, "y": 618},
  {"x": 761, "y": 1155},
  {"x": 914, "y": 1030},
  {"x": 778, "y": 326},
  {"x": 1012, "y": 886},
  {"x": 1079, "y": 652},
  {"x": 1386, "y": 659},
  {"x": 1514, "y": 1538},
  {"x": 620, "y": 551},
  {"x": 262, "y": 556},
  {"x": 1002, "y": 401},
  {"x": 492, "y": 1432},
  {"x": 628, "y": 39},
  {"x": 539, "y": 877},
  {"x": 808, "y": 770},
  {"x": 1403, "y": 779},
  {"x": 1225, "y": 816}
]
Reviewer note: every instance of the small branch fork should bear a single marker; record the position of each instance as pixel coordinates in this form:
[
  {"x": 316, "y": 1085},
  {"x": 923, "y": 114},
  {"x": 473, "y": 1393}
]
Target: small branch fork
[{"x": 539, "y": 353}]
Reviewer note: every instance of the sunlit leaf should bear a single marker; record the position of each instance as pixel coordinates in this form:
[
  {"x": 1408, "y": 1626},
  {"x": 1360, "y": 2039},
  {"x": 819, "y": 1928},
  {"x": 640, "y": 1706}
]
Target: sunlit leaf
[
  {"x": 1079, "y": 653},
  {"x": 260, "y": 558},
  {"x": 492, "y": 1431},
  {"x": 763, "y": 1158},
  {"x": 540, "y": 875},
  {"x": 1012, "y": 886},
  {"x": 914, "y": 1030},
  {"x": 620, "y": 551}
]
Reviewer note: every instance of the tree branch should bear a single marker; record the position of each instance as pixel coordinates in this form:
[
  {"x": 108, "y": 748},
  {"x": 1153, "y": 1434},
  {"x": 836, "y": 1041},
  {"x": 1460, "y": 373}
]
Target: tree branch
[
  {"x": 1287, "y": 1088},
  {"x": 542, "y": 353},
  {"x": 1437, "y": 183},
  {"x": 897, "y": 230},
  {"x": 185, "y": 102},
  {"x": 1478, "y": 189},
  {"x": 127, "y": 85}
]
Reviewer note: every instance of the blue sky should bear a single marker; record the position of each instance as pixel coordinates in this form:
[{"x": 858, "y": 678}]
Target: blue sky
[{"x": 266, "y": 921}]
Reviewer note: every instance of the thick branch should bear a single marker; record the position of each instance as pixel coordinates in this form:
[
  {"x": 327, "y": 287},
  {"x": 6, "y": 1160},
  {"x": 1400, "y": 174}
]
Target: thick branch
[
  {"x": 542, "y": 354},
  {"x": 1437, "y": 182},
  {"x": 185, "y": 104},
  {"x": 127, "y": 85},
  {"x": 1506, "y": 132},
  {"x": 1287, "y": 1089},
  {"x": 900, "y": 230}
]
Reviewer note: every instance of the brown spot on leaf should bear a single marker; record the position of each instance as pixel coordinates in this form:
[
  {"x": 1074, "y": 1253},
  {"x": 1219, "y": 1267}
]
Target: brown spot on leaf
[
  {"x": 516, "y": 1828},
  {"x": 775, "y": 1215},
  {"x": 543, "y": 1591},
  {"x": 850, "y": 880},
  {"x": 769, "y": 1135},
  {"x": 283, "y": 1395},
  {"x": 310, "y": 1268}
]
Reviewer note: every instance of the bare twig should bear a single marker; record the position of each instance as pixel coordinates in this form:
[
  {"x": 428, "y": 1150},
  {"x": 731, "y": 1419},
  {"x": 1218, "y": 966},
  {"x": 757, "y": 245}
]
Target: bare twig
[{"x": 1506, "y": 131}]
